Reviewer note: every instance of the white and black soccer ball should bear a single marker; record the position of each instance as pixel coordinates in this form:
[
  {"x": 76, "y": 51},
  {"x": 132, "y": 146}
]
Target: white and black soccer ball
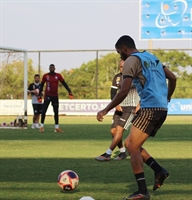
[
  {"x": 3, "y": 124},
  {"x": 37, "y": 91},
  {"x": 68, "y": 180},
  {"x": 11, "y": 124}
]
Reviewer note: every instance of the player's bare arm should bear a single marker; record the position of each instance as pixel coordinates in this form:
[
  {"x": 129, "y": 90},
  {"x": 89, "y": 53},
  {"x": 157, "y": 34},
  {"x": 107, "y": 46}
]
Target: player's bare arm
[
  {"x": 171, "y": 82},
  {"x": 125, "y": 87},
  {"x": 68, "y": 89}
]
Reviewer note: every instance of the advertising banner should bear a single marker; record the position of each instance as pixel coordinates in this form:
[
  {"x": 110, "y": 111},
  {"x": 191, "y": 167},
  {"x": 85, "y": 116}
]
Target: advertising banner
[
  {"x": 86, "y": 107},
  {"x": 169, "y": 19},
  {"x": 180, "y": 107}
]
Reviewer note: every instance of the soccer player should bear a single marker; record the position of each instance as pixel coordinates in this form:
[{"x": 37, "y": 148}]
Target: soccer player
[
  {"x": 33, "y": 89},
  {"x": 121, "y": 118},
  {"x": 51, "y": 95},
  {"x": 149, "y": 77}
]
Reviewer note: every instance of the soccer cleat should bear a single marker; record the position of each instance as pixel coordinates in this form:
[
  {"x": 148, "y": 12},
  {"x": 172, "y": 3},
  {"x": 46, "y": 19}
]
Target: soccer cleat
[
  {"x": 137, "y": 195},
  {"x": 37, "y": 126},
  {"x": 41, "y": 130},
  {"x": 103, "y": 157},
  {"x": 58, "y": 130},
  {"x": 159, "y": 178},
  {"x": 121, "y": 156},
  {"x": 33, "y": 126}
]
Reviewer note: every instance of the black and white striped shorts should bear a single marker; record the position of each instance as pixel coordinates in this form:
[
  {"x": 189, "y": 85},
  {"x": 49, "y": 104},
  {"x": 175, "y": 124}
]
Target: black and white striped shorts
[
  {"x": 124, "y": 118},
  {"x": 149, "y": 120}
]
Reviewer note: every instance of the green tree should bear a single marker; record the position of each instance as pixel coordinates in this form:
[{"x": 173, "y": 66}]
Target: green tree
[
  {"x": 184, "y": 86},
  {"x": 174, "y": 60},
  {"x": 12, "y": 79},
  {"x": 83, "y": 80}
]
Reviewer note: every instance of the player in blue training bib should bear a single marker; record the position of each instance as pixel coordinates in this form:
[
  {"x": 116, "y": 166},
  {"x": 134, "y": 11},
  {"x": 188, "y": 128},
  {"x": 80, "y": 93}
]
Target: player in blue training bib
[{"x": 149, "y": 77}]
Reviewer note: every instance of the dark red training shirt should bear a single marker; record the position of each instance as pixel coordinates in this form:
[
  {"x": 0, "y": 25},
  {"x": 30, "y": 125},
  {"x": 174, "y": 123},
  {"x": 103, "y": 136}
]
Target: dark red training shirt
[{"x": 52, "y": 81}]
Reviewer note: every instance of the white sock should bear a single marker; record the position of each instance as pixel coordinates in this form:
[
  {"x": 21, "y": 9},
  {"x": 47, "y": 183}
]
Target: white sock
[
  {"x": 109, "y": 151},
  {"x": 42, "y": 125},
  {"x": 122, "y": 150},
  {"x": 56, "y": 125}
]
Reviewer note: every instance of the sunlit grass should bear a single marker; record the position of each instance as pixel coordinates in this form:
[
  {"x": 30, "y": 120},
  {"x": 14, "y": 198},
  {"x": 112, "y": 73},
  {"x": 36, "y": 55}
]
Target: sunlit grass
[{"x": 31, "y": 161}]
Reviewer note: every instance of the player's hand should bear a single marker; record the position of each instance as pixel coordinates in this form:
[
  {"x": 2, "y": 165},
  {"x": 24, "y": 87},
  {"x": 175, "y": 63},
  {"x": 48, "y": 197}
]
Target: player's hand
[
  {"x": 100, "y": 115},
  {"x": 119, "y": 108},
  {"x": 137, "y": 108},
  {"x": 71, "y": 95},
  {"x": 39, "y": 99}
]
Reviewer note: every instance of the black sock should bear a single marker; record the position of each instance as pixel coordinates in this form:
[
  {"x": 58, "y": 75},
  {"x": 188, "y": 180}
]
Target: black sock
[
  {"x": 140, "y": 178},
  {"x": 154, "y": 165}
]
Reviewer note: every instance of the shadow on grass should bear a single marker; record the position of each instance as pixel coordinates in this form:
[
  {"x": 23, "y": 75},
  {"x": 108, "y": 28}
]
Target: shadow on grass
[
  {"x": 93, "y": 132},
  {"x": 89, "y": 170},
  {"x": 103, "y": 180}
]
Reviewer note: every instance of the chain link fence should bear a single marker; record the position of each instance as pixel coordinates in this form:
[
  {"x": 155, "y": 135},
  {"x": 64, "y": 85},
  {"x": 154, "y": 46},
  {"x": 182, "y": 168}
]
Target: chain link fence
[{"x": 73, "y": 59}]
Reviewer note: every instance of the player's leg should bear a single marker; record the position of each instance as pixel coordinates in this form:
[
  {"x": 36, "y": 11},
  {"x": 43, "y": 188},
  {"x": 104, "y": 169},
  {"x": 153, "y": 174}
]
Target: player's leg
[
  {"x": 159, "y": 172},
  {"x": 107, "y": 155},
  {"x": 113, "y": 132},
  {"x": 37, "y": 121},
  {"x": 123, "y": 124},
  {"x": 44, "y": 110},
  {"x": 145, "y": 124},
  {"x": 39, "y": 111},
  {"x": 120, "y": 122},
  {"x": 133, "y": 143},
  {"x": 55, "y": 104},
  {"x": 35, "y": 113},
  {"x": 117, "y": 141}
]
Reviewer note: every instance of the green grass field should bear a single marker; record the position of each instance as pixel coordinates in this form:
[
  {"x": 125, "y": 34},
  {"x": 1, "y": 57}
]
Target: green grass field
[{"x": 30, "y": 162}]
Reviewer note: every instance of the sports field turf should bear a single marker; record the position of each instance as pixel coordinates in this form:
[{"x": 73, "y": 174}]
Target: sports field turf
[{"x": 31, "y": 161}]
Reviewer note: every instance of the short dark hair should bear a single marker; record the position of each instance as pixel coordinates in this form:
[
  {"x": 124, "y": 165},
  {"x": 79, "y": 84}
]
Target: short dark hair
[
  {"x": 36, "y": 75},
  {"x": 51, "y": 65},
  {"x": 125, "y": 40}
]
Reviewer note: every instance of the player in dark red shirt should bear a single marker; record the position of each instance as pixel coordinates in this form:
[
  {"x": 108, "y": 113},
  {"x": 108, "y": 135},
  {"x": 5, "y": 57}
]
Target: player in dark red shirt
[{"x": 52, "y": 80}]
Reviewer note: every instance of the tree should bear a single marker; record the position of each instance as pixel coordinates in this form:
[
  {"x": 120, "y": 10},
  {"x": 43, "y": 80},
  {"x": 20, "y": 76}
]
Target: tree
[
  {"x": 184, "y": 86},
  {"x": 174, "y": 60},
  {"x": 12, "y": 82},
  {"x": 83, "y": 80}
]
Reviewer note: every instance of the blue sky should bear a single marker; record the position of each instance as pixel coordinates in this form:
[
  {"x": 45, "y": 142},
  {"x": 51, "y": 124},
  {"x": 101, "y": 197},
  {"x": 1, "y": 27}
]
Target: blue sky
[{"x": 72, "y": 25}]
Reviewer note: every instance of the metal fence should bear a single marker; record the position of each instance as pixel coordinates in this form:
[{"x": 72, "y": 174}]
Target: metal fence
[{"x": 71, "y": 59}]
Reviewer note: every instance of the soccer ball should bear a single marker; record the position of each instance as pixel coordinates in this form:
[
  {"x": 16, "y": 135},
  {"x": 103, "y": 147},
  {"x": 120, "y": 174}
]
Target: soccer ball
[
  {"x": 68, "y": 180},
  {"x": 3, "y": 124},
  {"x": 11, "y": 123},
  {"x": 37, "y": 91}
]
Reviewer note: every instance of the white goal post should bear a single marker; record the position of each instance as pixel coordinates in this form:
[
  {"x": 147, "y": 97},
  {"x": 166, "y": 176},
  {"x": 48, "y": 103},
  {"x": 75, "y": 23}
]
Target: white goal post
[{"x": 4, "y": 49}]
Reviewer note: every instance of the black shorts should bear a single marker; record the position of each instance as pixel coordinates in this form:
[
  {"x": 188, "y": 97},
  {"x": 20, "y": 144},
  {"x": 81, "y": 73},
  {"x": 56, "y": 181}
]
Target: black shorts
[
  {"x": 124, "y": 118},
  {"x": 37, "y": 108},
  {"x": 149, "y": 120},
  {"x": 53, "y": 99}
]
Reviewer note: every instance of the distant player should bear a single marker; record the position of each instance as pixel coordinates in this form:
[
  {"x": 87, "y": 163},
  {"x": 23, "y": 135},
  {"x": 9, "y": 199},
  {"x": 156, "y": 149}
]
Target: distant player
[
  {"x": 122, "y": 117},
  {"x": 149, "y": 77},
  {"x": 52, "y": 80},
  {"x": 33, "y": 89}
]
